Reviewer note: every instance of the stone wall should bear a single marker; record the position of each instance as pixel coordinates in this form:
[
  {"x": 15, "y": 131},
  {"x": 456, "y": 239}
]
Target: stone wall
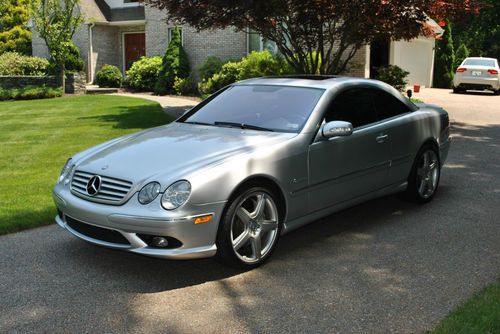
[
  {"x": 356, "y": 67},
  {"x": 75, "y": 83},
  {"x": 225, "y": 44}
]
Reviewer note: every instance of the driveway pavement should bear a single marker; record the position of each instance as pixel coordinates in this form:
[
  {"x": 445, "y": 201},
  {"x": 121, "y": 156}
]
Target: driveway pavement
[
  {"x": 173, "y": 105},
  {"x": 383, "y": 266}
]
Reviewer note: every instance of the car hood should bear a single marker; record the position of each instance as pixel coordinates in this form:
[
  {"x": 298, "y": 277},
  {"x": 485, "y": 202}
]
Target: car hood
[{"x": 174, "y": 150}]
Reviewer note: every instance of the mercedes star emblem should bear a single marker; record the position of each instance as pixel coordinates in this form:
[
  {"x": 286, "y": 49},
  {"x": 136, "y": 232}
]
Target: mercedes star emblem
[{"x": 94, "y": 185}]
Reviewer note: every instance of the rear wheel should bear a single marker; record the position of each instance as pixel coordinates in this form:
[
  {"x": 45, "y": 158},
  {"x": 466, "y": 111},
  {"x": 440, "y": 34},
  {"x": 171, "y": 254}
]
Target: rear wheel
[
  {"x": 249, "y": 229},
  {"x": 424, "y": 177},
  {"x": 497, "y": 92},
  {"x": 457, "y": 90}
]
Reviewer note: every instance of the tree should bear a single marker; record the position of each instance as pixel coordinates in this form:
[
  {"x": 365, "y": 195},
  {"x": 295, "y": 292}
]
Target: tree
[
  {"x": 314, "y": 36},
  {"x": 175, "y": 63},
  {"x": 14, "y": 34},
  {"x": 445, "y": 59},
  {"x": 460, "y": 55},
  {"x": 480, "y": 32},
  {"x": 56, "y": 22}
]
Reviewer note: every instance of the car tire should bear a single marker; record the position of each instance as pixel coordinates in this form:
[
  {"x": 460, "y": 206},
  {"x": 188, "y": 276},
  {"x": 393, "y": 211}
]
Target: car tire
[
  {"x": 497, "y": 92},
  {"x": 424, "y": 177},
  {"x": 249, "y": 229},
  {"x": 457, "y": 90}
]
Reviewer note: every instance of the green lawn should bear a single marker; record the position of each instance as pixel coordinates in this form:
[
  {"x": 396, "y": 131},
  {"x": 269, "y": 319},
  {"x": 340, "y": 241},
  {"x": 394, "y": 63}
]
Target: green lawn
[
  {"x": 478, "y": 315},
  {"x": 38, "y": 136}
]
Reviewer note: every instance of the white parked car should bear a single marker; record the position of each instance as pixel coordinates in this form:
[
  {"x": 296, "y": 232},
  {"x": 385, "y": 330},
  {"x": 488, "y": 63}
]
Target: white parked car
[{"x": 477, "y": 74}]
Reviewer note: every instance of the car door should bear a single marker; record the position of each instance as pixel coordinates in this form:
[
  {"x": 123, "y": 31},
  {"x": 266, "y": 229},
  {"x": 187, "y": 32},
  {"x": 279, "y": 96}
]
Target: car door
[
  {"x": 343, "y": 168},
  {"x": 400, "y": 126}
]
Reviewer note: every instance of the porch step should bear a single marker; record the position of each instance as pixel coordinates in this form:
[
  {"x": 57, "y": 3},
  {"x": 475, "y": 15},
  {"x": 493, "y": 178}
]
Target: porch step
[{"x": 93, "y": 89}]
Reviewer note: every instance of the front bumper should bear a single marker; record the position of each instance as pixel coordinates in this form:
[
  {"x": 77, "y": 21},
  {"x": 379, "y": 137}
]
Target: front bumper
[{"x": 133, "y": 220}]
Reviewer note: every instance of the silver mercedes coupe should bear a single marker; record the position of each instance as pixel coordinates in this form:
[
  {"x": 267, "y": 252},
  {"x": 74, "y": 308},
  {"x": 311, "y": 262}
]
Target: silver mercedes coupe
[{"x": 254, "y": 161}]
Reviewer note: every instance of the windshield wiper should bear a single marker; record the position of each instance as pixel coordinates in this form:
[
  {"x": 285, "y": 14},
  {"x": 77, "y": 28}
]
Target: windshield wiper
[
  {"x": 242, "y": 126},
  {"x": 198, "y": 123}
]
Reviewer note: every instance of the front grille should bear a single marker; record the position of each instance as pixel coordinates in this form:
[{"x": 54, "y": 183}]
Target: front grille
[
  {"x": 111, "y": 190},
  {"x": 97, "y": 233}
]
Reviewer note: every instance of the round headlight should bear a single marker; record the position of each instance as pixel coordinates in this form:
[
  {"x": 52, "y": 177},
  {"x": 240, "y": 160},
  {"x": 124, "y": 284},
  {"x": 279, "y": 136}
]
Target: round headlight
[
  {"x": 149, "y": 192},
  {"x": 176, "y": 195},
  {"x": 66, "y": 170}
]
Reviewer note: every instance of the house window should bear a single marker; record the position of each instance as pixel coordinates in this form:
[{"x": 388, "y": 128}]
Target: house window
[
  {"x": 171, "y": 32},
  {"x": 257, "y": 43},
  {"x": 254, "y": 41}
]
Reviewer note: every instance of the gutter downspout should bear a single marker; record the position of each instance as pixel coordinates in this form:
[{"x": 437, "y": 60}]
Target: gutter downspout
[{"x": 90, "y": 78}]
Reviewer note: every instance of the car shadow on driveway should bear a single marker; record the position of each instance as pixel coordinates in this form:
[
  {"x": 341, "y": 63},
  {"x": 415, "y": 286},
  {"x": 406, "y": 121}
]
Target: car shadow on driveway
[{"x": 140, "y": 274}]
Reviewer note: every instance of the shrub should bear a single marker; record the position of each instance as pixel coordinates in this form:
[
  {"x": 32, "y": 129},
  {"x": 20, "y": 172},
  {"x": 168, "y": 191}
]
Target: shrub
[
  {"x": 210, "y": 66},
  {"x": 185, "y": 86},
  {"x": 109, "y": 76},
  {"x": 259, "y": 64},
  {"x": 256, "y": 64},
  {"x": 175, "y": 63},
  {"x": 460, "y": 55},
  {"x": 227, "y": 75},
  {"x": 394, "y": 76},
  {"x": 13, "y": 63},
  {"x": 144, "y": 73},
  {"x": 29, "y": 93}
]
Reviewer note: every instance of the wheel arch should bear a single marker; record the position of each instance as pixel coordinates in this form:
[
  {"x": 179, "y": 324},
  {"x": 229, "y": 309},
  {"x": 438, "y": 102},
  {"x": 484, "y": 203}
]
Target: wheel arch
[
  {"x": 262, "y": 181},
  {"x": 433, "y": 142}
]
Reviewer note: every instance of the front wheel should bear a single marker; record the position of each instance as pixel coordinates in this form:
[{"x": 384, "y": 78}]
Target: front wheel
[
  {"x": 424, "y": 177},
  {"x": 249, "y": 229}
]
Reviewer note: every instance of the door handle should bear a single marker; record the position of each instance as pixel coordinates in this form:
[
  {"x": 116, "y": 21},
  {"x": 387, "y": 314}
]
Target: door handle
[{"x": 382, "y": 138}]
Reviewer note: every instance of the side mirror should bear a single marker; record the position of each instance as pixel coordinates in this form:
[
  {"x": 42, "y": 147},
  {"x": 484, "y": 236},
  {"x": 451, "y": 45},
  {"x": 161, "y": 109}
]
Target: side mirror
[
  {"x": 336, "y": 129},
  {"x": 409, "y": 92}
]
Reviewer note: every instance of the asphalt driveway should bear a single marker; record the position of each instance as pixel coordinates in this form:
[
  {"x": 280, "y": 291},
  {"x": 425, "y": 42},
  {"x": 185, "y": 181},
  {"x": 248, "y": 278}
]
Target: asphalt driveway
[{"x": 383, "y": 266}]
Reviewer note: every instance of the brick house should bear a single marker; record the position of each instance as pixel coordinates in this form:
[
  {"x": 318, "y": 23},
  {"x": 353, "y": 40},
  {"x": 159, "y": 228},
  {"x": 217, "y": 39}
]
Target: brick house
[{"x": 118, "y": 32}]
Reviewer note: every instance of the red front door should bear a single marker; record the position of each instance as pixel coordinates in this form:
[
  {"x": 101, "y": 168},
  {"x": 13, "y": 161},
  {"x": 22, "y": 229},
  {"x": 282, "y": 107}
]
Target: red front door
[{"x": 135, "y": 48}]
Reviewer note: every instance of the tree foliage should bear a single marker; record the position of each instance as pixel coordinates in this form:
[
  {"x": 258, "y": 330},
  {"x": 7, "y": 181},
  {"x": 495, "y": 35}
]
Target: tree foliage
[
  {"x": 14, "y": 34},
  {"x": 445, "y": 59},
  {"x": 175, "y": 63},
  {"x": 460, "y": 55},
  {"x": 314, "y": 36},
  {"x": 480, "y": 31},
  {"x": 56, "y": 21}
]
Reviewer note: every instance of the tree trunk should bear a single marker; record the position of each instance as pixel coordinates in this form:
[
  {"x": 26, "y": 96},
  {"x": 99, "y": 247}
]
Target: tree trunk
[{"x": 63, "y": 78}]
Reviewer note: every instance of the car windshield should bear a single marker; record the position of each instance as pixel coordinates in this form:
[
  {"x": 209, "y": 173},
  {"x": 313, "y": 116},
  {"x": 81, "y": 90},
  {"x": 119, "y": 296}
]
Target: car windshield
[
  {"x": 258, "y": 107},
  {"x": 480, "y": 62}
]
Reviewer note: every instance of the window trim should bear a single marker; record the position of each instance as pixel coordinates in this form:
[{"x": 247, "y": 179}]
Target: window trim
[{"x": 170, "y": 29}]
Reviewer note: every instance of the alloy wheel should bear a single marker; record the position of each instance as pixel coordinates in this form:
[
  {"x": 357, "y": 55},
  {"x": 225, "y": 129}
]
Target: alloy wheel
[
  {"x": 254, "y": 227},
  {"x": 427, "y": 174}
]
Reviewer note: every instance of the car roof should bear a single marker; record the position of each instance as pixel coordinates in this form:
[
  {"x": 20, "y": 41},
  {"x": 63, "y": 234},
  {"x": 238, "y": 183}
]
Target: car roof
[
  {"x": 485, "y": 58},
  {"x": 325, "y": 82},
  {"x": 311, "y": 81}
]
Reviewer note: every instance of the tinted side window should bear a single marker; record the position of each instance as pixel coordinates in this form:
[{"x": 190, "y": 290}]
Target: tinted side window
[
  {"x": 388, "y": 106},
  {"x": 355, "y": 106}
]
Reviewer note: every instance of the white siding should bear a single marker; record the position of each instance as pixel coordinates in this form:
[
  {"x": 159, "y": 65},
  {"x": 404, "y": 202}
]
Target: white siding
[{"x": 417, "y": 57}]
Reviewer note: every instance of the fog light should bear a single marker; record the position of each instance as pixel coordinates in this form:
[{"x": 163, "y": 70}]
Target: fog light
[{"x": 159, "y": 242}]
